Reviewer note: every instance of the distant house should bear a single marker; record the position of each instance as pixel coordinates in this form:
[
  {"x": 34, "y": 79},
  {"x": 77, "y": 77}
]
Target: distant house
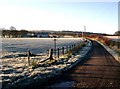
[
  {"x": 42, "y": 35},
  {"x": 25, "y": 35}
]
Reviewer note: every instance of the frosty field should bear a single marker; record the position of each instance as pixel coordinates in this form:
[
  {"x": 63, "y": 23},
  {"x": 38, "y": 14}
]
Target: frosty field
[
  {"x": 13, "y": 48},
  {"x": 15, "y": 70}
]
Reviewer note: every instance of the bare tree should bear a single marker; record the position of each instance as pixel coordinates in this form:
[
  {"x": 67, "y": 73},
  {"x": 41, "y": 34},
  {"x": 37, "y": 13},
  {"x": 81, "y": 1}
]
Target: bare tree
[
  {"x": 12, "y": 28},
  {"x": 117, "y": 33}
]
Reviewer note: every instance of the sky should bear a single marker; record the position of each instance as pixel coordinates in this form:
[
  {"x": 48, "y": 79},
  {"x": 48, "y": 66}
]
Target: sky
[{"x": 98, "y": 17}]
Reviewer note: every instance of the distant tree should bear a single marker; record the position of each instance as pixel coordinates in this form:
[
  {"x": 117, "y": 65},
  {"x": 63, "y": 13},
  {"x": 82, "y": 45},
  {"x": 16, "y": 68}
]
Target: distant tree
[
  {"x": 117, "y": 33},
  {"x": 4, "y": 32},
  {"x": 14, "y": 33},
  {"x": 8, "y": 33},
  {"x": 1, "y": 31},
  {"x": 23, "y": 32},
  {"x": 12, "y": 28}
]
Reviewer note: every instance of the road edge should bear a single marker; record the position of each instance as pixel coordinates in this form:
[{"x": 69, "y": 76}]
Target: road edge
[{"x": 112, "y": 52}]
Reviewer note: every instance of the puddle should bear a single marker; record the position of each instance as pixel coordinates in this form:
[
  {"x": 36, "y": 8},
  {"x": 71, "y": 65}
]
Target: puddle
[{"x": 63, "y": 84}]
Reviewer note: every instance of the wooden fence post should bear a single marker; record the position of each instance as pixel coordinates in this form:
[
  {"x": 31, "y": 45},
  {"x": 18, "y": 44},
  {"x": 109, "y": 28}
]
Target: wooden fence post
[
  {"x": 71, "y": 47},
  {"x": 63, "y": 50},
  {"x": 67, "y": 48},
  {"x": 58, "y": 53},
  {"x": 29, "y": 53},
  {"x": 51, "y": 54}
]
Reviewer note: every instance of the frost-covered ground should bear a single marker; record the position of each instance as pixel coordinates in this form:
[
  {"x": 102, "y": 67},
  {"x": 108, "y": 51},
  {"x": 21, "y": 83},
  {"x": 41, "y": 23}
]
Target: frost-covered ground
[
  {"x": 16, "y": 73},
  {"x": 112, "y": 52},
  {"x": 35, "y": 45},
  {"x": 114, "y": 38}
]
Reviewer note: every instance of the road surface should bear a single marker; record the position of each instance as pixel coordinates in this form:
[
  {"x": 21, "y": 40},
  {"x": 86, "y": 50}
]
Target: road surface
[{"x": 99, "y": 70}]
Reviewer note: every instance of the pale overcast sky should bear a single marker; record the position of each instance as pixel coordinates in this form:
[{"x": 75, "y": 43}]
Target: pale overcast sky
[{"x": 100, "y": 17}]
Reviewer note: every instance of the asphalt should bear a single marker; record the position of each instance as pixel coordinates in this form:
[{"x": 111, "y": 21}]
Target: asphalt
[{"x": 99, "y": 70}]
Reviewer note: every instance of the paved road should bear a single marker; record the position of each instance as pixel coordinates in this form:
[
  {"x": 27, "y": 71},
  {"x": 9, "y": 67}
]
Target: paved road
[{"x": 100, "y": 70}]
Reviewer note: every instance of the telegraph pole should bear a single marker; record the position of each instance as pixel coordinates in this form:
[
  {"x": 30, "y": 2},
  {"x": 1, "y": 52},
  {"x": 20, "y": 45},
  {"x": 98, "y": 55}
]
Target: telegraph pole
[{"x": 83, "y": 32}]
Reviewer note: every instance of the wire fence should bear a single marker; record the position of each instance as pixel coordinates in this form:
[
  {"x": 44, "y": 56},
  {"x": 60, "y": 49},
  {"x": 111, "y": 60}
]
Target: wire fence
[{"x": 53, "y": 54}]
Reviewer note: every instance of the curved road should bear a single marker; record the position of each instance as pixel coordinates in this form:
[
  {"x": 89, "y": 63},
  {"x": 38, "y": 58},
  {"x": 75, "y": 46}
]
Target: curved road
[{"x": 99, "y": 70}]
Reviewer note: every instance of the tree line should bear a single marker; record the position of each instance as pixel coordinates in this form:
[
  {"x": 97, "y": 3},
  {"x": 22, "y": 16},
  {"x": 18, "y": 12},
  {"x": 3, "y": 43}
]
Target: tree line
[{"x": 12, "y": 32}]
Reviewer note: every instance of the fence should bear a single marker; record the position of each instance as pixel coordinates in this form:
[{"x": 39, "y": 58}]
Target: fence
[{"x": 55, "y": 54}]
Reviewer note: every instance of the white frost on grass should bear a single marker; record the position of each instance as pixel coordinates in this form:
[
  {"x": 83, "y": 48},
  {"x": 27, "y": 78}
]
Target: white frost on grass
[
  {"x": 114, "y": 38},
  {"x": 17, "y": 70},
  {"x": 112, "y": 52}
]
